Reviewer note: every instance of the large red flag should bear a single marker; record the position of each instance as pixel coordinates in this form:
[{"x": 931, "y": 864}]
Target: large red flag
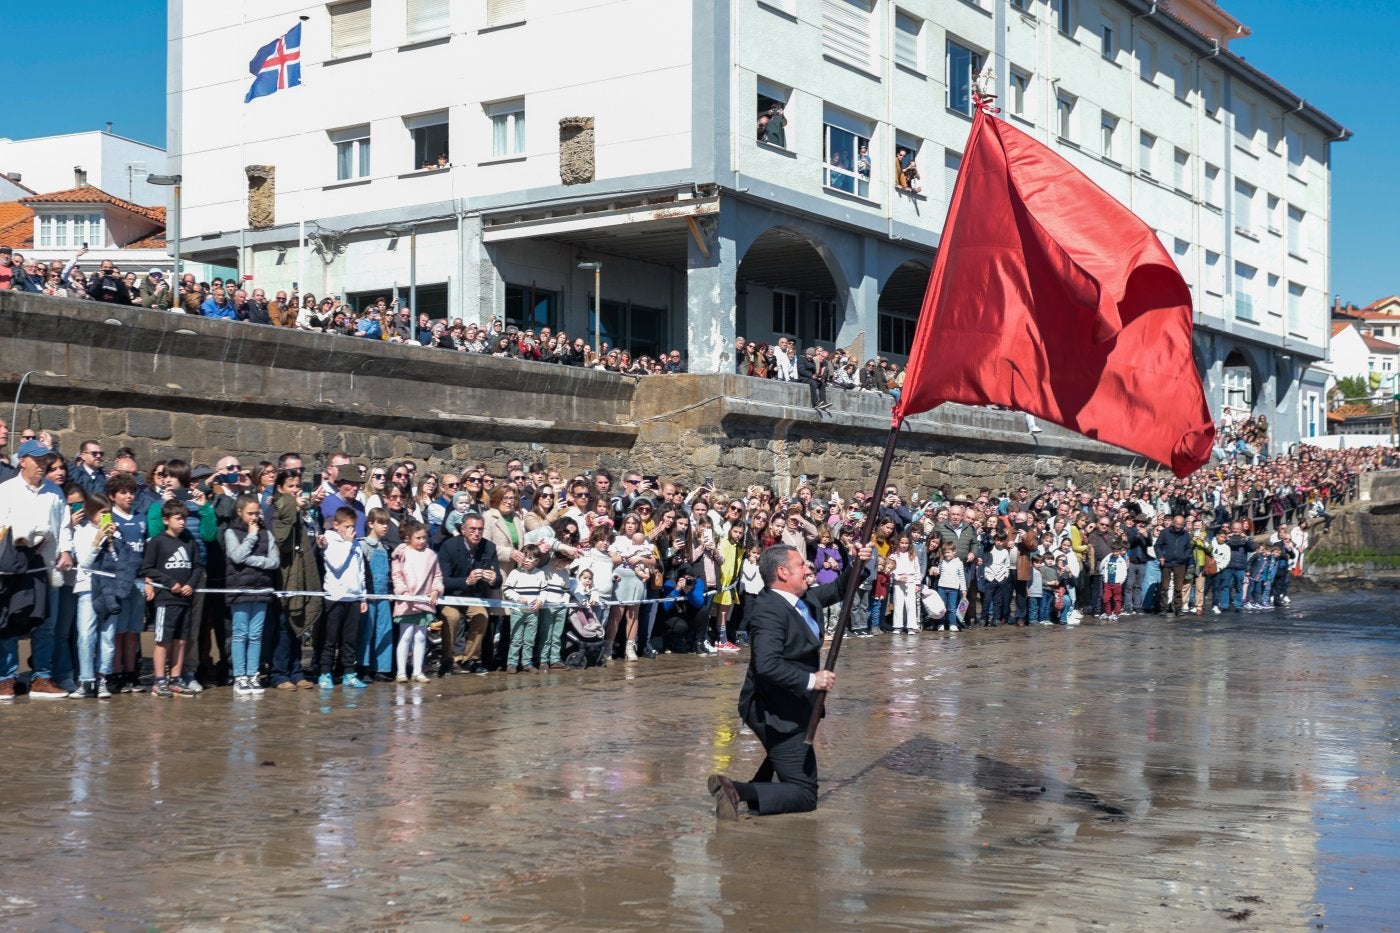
[{"x": 1050, "y": 297}]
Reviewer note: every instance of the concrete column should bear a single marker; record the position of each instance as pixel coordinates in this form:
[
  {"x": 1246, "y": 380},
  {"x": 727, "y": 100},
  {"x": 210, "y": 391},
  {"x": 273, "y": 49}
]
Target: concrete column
[
  {"x": 479, "y": 289},
  {"x": 710, "y": 297},
  {"x": 862, "y": 319}
]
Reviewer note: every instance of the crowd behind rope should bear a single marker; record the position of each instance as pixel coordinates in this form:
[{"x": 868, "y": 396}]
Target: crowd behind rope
[{"x": 265, "y": 574}]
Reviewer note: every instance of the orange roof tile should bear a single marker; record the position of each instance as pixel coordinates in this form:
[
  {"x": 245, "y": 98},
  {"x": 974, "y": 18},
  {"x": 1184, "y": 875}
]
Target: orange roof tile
[
  {"x": 154, "y": 241},
  {"x": 1339, "y": 326},
  {"x": 89, "y": 194},
  {"x": 10, "y": 211},
  {"x": 1377, "y": 345},
  {"x": 1387, "y": 300},
  {"x": 16, "y": 225}
]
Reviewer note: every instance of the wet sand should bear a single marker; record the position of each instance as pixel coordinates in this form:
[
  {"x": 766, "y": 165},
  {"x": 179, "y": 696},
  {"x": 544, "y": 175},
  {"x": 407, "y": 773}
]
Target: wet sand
[{"x": 1154, "y": 774}]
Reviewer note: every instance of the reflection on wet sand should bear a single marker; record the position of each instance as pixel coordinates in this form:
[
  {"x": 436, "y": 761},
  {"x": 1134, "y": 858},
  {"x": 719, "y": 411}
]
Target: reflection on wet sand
[{"x": 1140, "y": 776}]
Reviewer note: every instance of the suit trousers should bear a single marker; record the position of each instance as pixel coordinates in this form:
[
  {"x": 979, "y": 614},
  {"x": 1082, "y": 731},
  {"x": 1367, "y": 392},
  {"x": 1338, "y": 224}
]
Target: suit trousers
[
  {"x": 794, "y": 763},
  {"x": 1176, "y": 573},
  {"x": 454, "y": 618}
]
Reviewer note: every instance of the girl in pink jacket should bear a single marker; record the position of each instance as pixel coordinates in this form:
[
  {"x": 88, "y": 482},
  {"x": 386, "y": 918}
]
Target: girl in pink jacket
[{"x": 415, "y": 572}]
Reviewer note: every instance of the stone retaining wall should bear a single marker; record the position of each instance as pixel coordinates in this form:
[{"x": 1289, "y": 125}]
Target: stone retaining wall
[{"x": 172, "y": 385}]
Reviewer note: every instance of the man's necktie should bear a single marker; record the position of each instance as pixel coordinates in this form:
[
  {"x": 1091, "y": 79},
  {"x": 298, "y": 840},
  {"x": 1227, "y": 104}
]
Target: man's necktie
[{"x": 806, "y": 615}]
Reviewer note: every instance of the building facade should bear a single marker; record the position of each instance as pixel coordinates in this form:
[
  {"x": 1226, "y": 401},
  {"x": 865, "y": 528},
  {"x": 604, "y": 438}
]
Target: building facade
[{"x": 469, "y": 156}]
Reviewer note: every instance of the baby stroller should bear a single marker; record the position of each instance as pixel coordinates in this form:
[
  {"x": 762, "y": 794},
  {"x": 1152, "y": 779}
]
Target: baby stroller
[{"x": 585, "y": 644}]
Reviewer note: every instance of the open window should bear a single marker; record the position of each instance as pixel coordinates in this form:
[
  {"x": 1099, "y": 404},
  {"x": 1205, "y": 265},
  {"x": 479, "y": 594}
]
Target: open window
[{"x": 430, "y": 140}]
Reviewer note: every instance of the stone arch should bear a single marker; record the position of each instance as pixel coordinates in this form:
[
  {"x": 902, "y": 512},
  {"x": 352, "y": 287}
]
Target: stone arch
[
  {"x": 901, "y": 299},
  {"x": 790, "y": 280}
]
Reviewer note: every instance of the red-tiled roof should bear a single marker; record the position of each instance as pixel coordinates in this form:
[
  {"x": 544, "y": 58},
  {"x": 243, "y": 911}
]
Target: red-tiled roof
[
  {"x": 88, "y": 194},
  {"x": 1388, "y": 300},
  {"x": 1377, "y": 345},
  {"x": 154, "y": 241},
  {"x": 1339, "y": 326},
  {"x": 16, "y": 225}
]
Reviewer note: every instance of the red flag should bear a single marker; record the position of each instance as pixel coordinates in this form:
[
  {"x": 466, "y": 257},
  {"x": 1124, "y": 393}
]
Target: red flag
[{"x": 1050, "y": 297}]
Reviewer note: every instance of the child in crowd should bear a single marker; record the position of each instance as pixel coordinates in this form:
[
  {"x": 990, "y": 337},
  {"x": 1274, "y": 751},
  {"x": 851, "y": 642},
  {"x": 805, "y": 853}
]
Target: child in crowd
[
  {"x": 731, "y": 559},
  {"x": 89, "y": 539},
  {"x": 997, "y": 571},
  {"x": 416, "y": 572},
  {"x": 1035, "y": 589},
  {"x": 129, "y": 604},
  {"x": 1049, "y": 580},
  {"x": 553, "y": 612},
  {"x": 525, "y": 584},
  {"x": 1261, "y": 575},
  {"x": 344, "y": 583},
  {"x": 1114, "y": 570},
  {"x": 951, "y": 583},
  {"x": 376, "y": 661},
  {"x": 251, "y": 560},
  {"x": 879, "y": 590},
  {"x": 169, "y": 566}
]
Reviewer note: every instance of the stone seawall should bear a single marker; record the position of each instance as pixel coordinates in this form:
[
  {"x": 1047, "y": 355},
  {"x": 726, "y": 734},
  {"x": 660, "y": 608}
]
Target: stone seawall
[{"x": 172, "y": 385}]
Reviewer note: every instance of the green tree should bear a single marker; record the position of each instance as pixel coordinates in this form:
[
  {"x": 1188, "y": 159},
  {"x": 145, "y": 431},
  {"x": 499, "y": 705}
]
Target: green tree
[{"x": 1351, "y": 389}]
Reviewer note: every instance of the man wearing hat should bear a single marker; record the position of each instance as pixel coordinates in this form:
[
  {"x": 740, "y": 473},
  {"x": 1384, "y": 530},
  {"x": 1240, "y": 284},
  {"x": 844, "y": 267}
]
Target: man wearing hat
[
  {"x": 349, "y": 478},
  {"x": 33, "y": 510},
  {"x": 155, "y": 292}
]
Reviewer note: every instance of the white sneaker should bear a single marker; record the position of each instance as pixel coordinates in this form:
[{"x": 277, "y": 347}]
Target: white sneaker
[
  {"x": 1215, "y": 609},
  {"x": 420, "y": 679},
  {"x": 240, "y": 687},
  {"x": 631, "y": 651},
  {"x": 255, "y": 686},
  {"x": 1286, "y": 600},
  {"x": 954, "y": 628}
]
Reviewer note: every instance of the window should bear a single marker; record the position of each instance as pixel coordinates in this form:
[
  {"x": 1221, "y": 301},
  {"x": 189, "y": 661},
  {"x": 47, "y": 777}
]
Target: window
[
  {"x": 1244, "y": 123},
  {"x": 1215, "y": 274},
  {"x": 1244, "y": 207},
  {"x": 1244, "y": 291},
  {"x": 1017, "y": 86},
  {"x": 908, "y": 41},
  {"x": 1181, "y": 170},
  {"x": 824, "y": 320},
  {"x": 1271, "y": 295},
  {"x": 1210, "y": 94},
  {"x": 637, "y": 329},
  {"x": 784, "y": 313},
  {"x": 897, "y": 332},
  {"x": 1181, "y": 254},
  {"x": 1296, "y": 242},
  {"x": 429, "y": 133},
  {"x": 1022, "y": 5},
  {"x": 504, "y": 12},
  {"x": 1212, "y": 193},
  {"x": 68, "y": 230},
  {"x": 1147, "y": 60},
  {"x": 770, "y": 96},
  {"x": 1272, "y": 214},
  {"x": 847, "y": 31},
  {"x": 848, "y": 161},
  {"x": 952, "y": 161},
  {"x": 1296, "y": 153},
  {"x": 1108, "y": 41},
  {"x": 1064, "y": 116},
  {"x": 1147, "y": 143},
  {"x": 1296, "y": 293},
  {"x": 507, "y": 128},
  {"x": 351, "y": 152},
  {"x": 1181, "y": 77},
  {"x": 529, "y": 307},
  {"x": 427, "y": 19},
  {"x": 963, "y": 66},
  {"x": 1062, "y": 15},
  {"x": 1108, "y": 131},
  {"x": 349, "y": 29}
]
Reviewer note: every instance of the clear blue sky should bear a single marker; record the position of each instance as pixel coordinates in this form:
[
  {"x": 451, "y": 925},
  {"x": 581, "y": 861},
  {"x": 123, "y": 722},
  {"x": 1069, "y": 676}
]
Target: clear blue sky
[{"x": 1318, "y": 50}]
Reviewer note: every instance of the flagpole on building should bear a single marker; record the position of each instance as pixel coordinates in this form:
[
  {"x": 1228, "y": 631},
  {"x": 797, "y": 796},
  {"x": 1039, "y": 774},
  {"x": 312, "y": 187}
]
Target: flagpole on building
[{"x": 853, "y": 578}]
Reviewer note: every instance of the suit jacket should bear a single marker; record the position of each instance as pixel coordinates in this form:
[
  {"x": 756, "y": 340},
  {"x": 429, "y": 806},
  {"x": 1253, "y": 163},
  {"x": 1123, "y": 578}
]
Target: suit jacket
[{"x": 783, "y": 655}]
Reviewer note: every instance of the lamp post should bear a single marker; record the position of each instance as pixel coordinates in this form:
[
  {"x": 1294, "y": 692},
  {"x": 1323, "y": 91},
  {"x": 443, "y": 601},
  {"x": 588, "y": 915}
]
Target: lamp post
[
  {"x": 172, "y": 181},
  {"x": 597, "y": 269}
]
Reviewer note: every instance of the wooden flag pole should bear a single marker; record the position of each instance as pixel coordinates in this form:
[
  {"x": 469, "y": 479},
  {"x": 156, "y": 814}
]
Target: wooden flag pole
[{"x": 853, "y": 578}]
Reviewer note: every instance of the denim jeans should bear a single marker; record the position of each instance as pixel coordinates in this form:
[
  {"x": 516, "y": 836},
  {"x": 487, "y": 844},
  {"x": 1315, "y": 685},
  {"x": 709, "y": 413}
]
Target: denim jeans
[
  {"x": 51, "y": 656},
  {"x": 1227, "y": 588},
  {"x": 97, "y": 642},
  {"x": 377, "y": 638},
  {"x": 247, "y": 637},
  {"x": 951, "y": 597},
  {"x": 286, "y": 656},
  {"x": 9, "y": 658}
]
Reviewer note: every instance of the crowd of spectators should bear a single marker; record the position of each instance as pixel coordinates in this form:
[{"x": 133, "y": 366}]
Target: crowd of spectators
[{"x": 247, "y": 565}]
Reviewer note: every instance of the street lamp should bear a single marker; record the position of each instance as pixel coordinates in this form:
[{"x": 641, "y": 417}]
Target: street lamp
[
  {"x": 174, "y": 182},
  {"x": 597, "y": 269}
]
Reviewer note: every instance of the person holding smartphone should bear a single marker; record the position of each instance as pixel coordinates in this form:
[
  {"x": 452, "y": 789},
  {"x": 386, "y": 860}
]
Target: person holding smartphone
[{"x": 154, "y": 292}]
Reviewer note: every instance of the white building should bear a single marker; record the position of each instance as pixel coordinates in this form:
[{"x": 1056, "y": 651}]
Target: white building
[
  {"x": 115, "y": 164},
  {"x": 704, "y": 232}
]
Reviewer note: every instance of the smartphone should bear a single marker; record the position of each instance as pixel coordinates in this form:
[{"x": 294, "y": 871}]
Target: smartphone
[
  {"x": 84, "y": 246},
  {"x": 104, "y": 519},
  {"x": 710, "y": 481},
  {"x": 295, "y": 286},
  {"x": 650, "y": 478}
]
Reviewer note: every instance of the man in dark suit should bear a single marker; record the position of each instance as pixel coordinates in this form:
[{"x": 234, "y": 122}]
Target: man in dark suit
[{"x": 780, "y": 690}]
